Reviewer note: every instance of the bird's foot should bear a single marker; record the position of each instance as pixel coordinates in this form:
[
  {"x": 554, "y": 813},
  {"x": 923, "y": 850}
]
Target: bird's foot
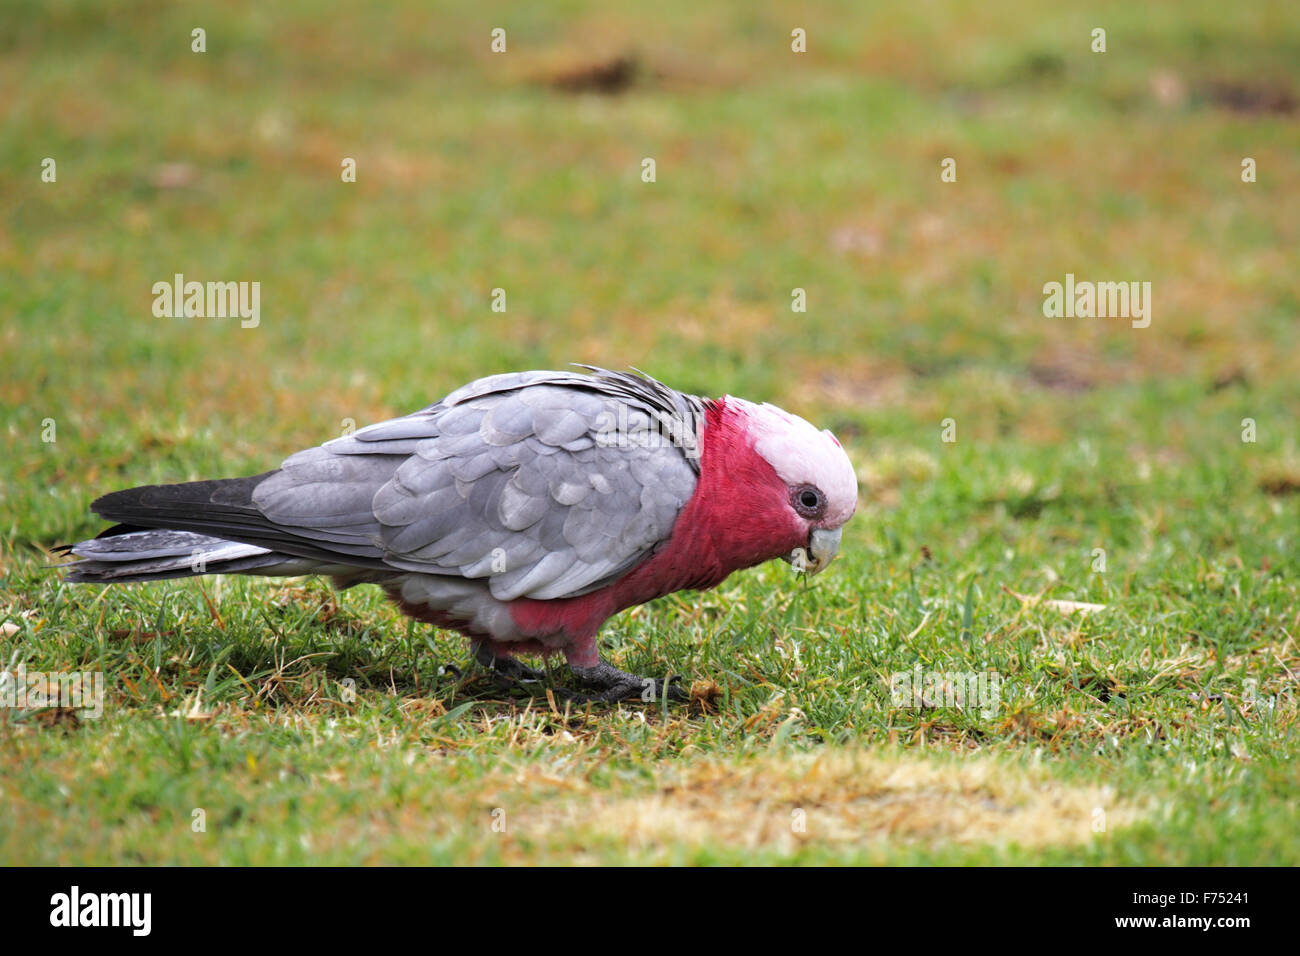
[
  {"x": 507, "y": 668},
  {"x": 614, "y": 684}
]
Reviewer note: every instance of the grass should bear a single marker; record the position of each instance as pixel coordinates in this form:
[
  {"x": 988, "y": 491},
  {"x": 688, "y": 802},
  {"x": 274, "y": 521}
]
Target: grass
[{"x": 1158, "y": 730}]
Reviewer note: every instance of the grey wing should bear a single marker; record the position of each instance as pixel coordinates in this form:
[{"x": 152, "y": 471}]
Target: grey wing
[{"x": 514, "y": 479}]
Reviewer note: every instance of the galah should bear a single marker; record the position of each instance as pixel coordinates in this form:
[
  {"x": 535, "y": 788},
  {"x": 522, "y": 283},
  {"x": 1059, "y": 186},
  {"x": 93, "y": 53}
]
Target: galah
[{"x": 523, "y": 511}]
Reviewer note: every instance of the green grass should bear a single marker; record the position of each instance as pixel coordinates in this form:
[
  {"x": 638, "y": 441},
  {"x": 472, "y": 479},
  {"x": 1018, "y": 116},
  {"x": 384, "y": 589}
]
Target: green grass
[{"x": 1173, "y": 710}]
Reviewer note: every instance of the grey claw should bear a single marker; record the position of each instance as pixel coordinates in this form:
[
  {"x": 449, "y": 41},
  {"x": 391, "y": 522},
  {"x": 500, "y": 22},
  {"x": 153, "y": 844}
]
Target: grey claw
[
  {"x": 619, "y": 685},
  {"x": 507, "y": 668}
]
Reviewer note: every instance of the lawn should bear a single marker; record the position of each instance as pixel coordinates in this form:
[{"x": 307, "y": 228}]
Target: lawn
[{"x": 1101, "y": 517}]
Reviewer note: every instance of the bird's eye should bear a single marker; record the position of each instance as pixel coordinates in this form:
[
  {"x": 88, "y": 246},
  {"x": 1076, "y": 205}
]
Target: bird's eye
[{"x": 808, "y": 501}]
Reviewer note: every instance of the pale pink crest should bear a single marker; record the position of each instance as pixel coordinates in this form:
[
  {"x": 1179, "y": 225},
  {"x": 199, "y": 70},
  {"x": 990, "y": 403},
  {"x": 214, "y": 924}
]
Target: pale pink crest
[{"x": 802, "y": 454}]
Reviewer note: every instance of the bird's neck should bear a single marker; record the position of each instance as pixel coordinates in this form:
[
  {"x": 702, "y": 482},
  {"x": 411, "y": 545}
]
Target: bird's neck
[{"x": 735, "y": 519}]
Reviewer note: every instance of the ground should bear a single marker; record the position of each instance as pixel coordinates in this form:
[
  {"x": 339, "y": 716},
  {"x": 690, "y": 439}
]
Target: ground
[{"x": 1152, "y": 472}]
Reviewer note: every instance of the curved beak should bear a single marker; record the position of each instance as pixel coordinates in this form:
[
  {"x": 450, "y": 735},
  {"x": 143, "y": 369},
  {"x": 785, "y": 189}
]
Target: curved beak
[{"x": 823, "y": 545}]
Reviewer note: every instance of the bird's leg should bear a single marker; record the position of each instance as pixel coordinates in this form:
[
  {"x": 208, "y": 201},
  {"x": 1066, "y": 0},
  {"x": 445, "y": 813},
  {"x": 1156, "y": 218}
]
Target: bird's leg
[
  {"x": 505, "y": 666},
  {"x": 615, "y": 684}
]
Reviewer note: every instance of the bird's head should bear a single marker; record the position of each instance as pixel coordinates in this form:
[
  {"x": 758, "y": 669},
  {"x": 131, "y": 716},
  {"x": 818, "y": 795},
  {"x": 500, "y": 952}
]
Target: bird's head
[{"x": 794, "y": 487}]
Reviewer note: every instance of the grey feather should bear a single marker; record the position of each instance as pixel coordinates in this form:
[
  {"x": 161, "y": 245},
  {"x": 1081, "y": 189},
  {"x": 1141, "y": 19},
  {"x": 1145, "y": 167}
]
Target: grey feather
[{"x": 513, "y": 481}]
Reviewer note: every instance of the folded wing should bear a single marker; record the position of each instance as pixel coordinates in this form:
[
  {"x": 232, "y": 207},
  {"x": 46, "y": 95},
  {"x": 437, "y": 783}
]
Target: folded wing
[{"x": 546, "y": 484}]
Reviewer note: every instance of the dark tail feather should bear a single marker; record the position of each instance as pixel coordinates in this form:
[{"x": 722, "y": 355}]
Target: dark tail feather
[
  {"x": 221, "y": 509},
  {"x": 225, "y": 501},
  {"x": 173, "y": 531}
]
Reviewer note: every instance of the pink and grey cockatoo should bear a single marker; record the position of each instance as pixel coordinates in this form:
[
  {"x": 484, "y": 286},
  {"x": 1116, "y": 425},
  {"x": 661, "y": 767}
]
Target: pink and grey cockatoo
[{"x": 523, "y": 510}]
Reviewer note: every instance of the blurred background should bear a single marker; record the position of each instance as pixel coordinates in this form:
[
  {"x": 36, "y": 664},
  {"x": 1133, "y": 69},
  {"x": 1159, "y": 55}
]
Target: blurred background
[
  {"x": 775, "y": 171},
  {"x": 522, "y": 171}
]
